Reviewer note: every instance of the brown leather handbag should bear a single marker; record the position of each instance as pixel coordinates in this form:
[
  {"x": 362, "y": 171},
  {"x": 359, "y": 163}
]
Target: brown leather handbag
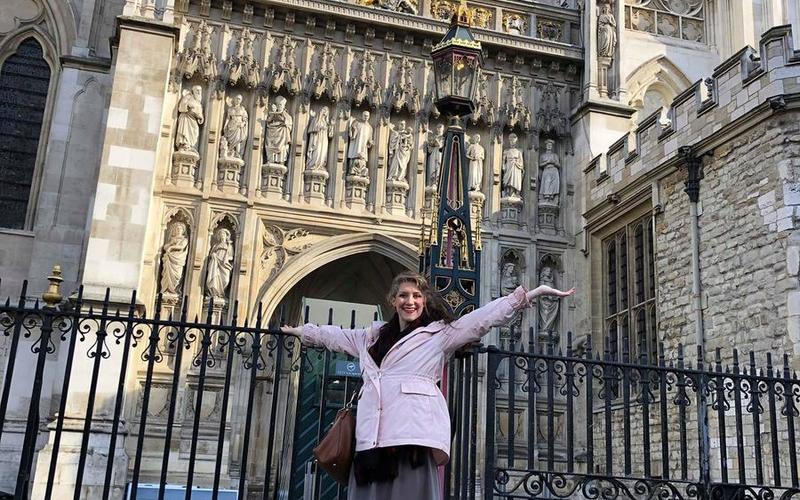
[{"x": 334, "y": 453}]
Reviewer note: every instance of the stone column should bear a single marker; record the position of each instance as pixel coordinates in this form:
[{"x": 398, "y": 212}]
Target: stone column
[{"x": 116, "y": 243}]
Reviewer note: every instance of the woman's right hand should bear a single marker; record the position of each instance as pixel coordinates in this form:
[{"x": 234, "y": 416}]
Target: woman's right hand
[{"x": 292, "y": 330}]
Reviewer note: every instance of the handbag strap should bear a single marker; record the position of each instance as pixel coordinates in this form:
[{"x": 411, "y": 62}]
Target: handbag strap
[{"x": 353, "y": 398}]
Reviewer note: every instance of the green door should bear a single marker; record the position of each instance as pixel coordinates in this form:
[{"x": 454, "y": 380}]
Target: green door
[{"x": 327, "y": 381}]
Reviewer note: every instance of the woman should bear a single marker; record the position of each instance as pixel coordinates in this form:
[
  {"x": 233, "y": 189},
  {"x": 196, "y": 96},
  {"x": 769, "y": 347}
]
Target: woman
[{"x": 403, "y": 426}]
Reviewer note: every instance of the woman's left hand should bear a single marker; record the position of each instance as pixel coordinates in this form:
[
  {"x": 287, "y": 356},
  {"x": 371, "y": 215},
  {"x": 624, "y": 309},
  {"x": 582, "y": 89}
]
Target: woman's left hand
[{"x": 546, "y": 290}]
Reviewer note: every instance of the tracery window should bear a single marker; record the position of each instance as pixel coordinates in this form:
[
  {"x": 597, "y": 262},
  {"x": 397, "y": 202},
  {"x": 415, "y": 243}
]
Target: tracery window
[
  {"x": 629, "y": 292},
  {"x": 24, "y": 82},
  {"x": 684, "y": 19}
]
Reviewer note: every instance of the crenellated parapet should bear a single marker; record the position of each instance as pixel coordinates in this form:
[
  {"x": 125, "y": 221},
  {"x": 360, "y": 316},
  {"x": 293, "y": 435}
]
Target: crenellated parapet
[{"x": 750, "y": 83}]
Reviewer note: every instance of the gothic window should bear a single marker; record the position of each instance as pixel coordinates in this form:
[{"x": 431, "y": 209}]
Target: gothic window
[
  {"x": 24, "y": 82},
  {"x": 684, "y": 19},
  {"x": 629, "y": 284}
]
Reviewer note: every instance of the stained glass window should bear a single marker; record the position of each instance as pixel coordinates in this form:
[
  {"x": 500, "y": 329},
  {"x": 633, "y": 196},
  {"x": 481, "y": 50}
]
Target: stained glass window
[
  {"x": 684, "y": 19},
  {"x": 24, "y": 81}
]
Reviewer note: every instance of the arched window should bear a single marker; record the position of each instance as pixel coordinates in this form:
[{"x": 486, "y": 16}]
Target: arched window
[{"x": 24, "y": 82}]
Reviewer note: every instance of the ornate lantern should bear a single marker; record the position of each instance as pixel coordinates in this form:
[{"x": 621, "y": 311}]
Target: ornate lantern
[
  {"x": 457, "y": 62},
  {"x": 451, "y": 255}
]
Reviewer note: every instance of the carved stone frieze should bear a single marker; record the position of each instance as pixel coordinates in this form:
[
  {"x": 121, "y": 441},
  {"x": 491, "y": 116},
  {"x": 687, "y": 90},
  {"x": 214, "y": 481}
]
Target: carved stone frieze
[
  {"x": 550, "y": 119},
  {"x": 241, "y": 66},
  {"x": 515, "y": 112},
  {"x": 280, "y": 244},
  {"x": 364, "y": 86},
  {"x": 485, "y": 110},
  {"x": 198, "y": 58},
  {"x": 325, "y": 80},
  {"x": 404, "y": 93},
  {"x": 284, "y": 72}
]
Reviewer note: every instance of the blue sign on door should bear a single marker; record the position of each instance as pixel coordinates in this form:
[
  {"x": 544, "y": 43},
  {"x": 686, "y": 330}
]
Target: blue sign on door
[{"x": 345, "y": 368}]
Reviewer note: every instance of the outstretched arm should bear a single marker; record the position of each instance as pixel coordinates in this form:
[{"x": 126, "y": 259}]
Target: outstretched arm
[
  {"x": 330, "y": 337},
  {"x": 471, "y": 327}
]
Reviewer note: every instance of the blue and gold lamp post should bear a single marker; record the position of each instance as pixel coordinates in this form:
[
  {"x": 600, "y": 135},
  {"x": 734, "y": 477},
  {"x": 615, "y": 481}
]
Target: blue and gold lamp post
[{"x": 450, "y": 254}]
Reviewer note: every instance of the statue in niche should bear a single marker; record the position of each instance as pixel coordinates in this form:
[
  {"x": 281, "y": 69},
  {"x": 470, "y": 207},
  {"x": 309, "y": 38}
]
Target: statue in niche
[
  {"x": 190, "y": 117},
  {"x": 360, "y": 132},
  {"x": 548, "y": 306},
  {"x": 320, "y": 130},
  {"x": 400, "y": 145},
  {"x": 476, "y": 155},
  {"x": 550, "y": 185},
  {"x": 173, "y": 258},
  {"x": 235, "y": 129},
  {"x": 509, "y": 281},
  {"x": 606, "y": 32},
  {"x": 220, "y": 264},
  {"x": 279, "y": 131},
  {"x": 407, "y": 6},
  {"x": 513, "y": 169},
  {"x": 435, "y": 149}
]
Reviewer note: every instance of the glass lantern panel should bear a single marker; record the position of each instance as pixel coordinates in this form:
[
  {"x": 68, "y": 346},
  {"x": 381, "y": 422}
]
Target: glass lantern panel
[
  {"x": 463, "y": 76},
  {"x": 443, "y": 77}
]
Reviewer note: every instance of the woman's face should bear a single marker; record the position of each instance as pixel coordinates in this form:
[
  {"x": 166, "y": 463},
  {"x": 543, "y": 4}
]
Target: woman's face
[{"x": 408, "y": 302}]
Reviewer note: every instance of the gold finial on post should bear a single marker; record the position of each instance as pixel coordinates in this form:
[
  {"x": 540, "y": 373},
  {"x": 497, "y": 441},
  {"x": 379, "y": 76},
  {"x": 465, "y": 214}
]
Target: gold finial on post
[{"x": 52, "y": 297}]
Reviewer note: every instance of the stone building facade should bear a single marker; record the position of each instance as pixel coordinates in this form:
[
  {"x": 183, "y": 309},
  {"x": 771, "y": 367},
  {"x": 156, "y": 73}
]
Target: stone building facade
[{"x": 245, "y": 154}]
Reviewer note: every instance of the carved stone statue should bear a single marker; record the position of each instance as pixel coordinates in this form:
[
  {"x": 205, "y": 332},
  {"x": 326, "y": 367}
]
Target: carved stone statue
[
  {"x": 173, "y": 258},
  {"x": 435, "y": 149},
  {"x": 220, "y": 264},
  {"x": 476, "y": 155},
  {"x": 606, "y": 32},
  {"x": 235, "y": 128},
  {"x": 515, "y": 24},
  {"x": 548, "y": 305},
  {"x": 360, "y": 132},
  {"x": 550, "y": 185},
  {"x": 509, "y": 281},
  {"x": 400, "y": 144},
  {"x": 279, "y": 131},
  {"x": 399, "y": 5},
  {"x": 190, "y": 117},
  {"x": 513, "y": 169},
  {"x": 320, "y": 131}
]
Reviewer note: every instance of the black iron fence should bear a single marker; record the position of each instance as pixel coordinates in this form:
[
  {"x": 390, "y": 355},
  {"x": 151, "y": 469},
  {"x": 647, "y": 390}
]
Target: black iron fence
[
  {"x": 600, "y": 425},
  {"x": 101, "y": 402}
]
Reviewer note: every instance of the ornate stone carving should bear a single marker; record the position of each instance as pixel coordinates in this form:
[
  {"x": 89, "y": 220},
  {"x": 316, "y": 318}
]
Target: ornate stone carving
[
  {"x": 434, "y": 147},
  {"x": 190, "y": 118},
  {"x": 199, "y": 56},
  {"x": 220, "y": 264},
  {"x": 235, "y": 129},
  {"x": 606, "y": 45},
  {"x": 279, "y": 245},
  {"x": 407, "y": 6},
  {"x": 510, "y": 272},
  {"x": 548, "y": 305},
  {"x": 443, "y": 9},
  {"x": 485, "y": 108},
  {"x": 481, "y": 17},
  {"x": 515, "y": 23},
  {"x": 515, "y": 112},
  {"x": 173, "y": 258},
  {"x": 360, "y": 135},
  {"x": 279, "y": 125},
  {"x": 320, "y": 131},
  {"x": 364, "y": 86},
  {"x": 400, "y": 144},
  {"x": 550, "y": 184},
  {"x": 404, "y": 93},
  {"x": 549, "y": 29},
  {"x": 284, "y": 72},
  {"x": 325, "y": 79},
  {"x": 476, "y": 154},
  {"x": 241, "y": 66},
  {"x": 513, "y": 169},
  {"x": 550, "y": 119}
]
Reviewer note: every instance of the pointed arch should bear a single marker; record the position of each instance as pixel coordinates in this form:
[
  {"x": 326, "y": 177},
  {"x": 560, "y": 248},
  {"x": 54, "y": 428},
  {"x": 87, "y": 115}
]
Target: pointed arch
[
  {"x": 327, "y": 251},
  {"x": 654, "y": 82}
]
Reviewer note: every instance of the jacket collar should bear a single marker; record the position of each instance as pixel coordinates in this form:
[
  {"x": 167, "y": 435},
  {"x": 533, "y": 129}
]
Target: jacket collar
[{"x": 434, "y": 327}]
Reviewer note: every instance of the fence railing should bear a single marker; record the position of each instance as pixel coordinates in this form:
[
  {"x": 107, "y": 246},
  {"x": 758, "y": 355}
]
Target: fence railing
[
  {"x": 100, "y": 402},
  {"x": 562, "y": 425}
]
